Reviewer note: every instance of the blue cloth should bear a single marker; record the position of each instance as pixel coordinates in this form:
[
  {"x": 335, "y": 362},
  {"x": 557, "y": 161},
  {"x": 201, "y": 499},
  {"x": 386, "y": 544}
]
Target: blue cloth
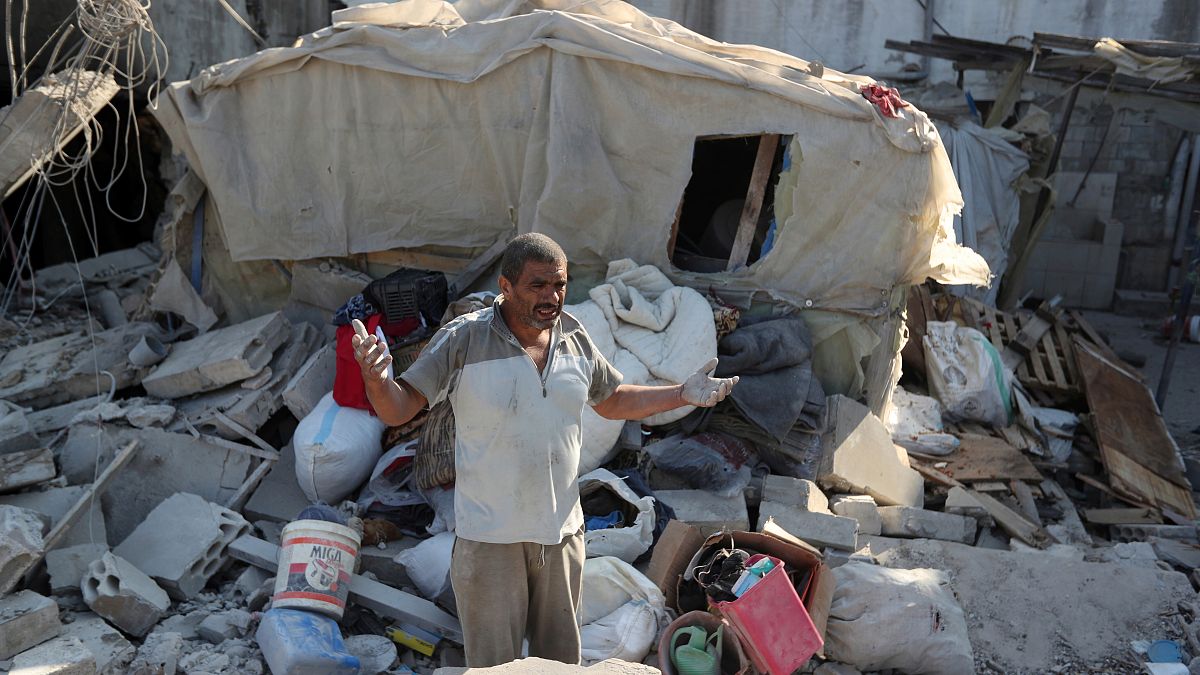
[
  {"x": 357, "y": 307},
  {"x": 614, "y": 519}
]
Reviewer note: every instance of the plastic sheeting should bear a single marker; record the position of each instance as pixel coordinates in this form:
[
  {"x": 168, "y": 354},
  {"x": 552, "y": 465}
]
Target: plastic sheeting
[{"x": 417, "y": 123}]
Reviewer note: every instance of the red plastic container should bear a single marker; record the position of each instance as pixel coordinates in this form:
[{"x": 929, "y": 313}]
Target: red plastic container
[{"x": 771, "y": 622}]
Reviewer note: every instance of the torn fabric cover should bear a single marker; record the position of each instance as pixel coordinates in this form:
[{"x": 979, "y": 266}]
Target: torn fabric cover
[{"x": 404, "y": 126}]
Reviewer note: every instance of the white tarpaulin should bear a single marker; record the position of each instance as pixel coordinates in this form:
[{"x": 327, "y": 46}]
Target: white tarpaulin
[{"x": 406, "y": 125}]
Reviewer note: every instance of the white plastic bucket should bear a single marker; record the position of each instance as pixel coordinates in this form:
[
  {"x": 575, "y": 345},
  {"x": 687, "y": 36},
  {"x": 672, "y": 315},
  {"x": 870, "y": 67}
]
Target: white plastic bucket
[{"x": 316, "y": 559}]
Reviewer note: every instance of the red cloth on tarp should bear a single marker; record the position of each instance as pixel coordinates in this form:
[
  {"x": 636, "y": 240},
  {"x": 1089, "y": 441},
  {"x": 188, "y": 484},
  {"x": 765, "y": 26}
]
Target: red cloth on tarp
[
  {"x": 348, "y": 388},
  {"x": 886, "y": 99}
]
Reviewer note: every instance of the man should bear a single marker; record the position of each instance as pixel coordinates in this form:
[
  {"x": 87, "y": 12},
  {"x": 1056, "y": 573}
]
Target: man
[{"x": 518, "y": 375}]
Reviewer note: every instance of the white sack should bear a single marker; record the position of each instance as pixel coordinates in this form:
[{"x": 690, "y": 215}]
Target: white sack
[
  {"x": 966, "y": 374},
  {"x": 631, "y": 540},
  {"x": 621, "y": 612},
  {"x": 905, "y": 620},
  {"x": 336, "y": 449},
  {"x": 428, "y": 564},
  {"x": 915, "y": 422}
]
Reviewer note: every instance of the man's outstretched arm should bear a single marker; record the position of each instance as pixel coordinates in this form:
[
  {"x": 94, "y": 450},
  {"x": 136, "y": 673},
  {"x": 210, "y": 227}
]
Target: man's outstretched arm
[{"x": 635, "y": 402}]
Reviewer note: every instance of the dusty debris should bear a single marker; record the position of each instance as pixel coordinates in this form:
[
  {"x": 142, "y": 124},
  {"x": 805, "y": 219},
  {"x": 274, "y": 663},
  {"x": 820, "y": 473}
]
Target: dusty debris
[
  {"x": 859, "y": 457},
  {"x": 221, "y": 357},
  {"x": 26, "y": 619}
]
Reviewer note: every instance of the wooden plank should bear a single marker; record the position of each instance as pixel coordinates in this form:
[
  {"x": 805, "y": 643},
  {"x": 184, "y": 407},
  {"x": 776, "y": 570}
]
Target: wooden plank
[
  {"x": 1089, "y": 480},
  {"x": 1012, "y": 522},
  {"x": 1135, "y": 445},
  {"x": 981, "y": 458},
  {"x": 1120, "y": 516},
  {"x": 763, "y": 161},
  {"x": 419, "y": 260},
  {"x": 478, "y": 266}
]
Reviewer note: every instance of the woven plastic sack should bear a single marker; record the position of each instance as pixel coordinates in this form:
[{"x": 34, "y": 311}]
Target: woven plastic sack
[
  {"x": 966, "y": 374},
  {"x": 434, "y": 463}
]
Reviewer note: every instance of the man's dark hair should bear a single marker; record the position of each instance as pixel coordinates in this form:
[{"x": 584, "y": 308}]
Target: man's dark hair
[{"x": 526, "y": 247}]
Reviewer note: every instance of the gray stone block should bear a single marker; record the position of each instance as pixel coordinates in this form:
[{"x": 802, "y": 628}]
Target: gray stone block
[
  {"x": 65, "y": 655},
  {"x": 311, "y": 382},
  {"x": 16, "y": 430},
  {"x": 222, "y": 626},
  {"x": 183, "y": 542},
  {"x": 111, "y": 650},
  {"x": 817, "y": 529},
  {"x": 54, "y": 504},
  {"x": 218, "y": 358},
  {"x": 858, "y": 456},
  {"x": 160, "y": 653},
  {"x": 905, "y": 521},
  {"x": 795, "y": 492},
  {"x": 707, "y": 511},
  {"x": 861, "y": 508},
  {"x": 20, "y": 543},
  {"x": 67, "y": 566},
  {"x": 325, "y": 285},
  {"x": 960, "y": 502},
  {"x": 26, "y": 619},
  {"x": 26, "y": 467},
  {"x": 1145, "y": 532},
  {"x": 121, "y": 593},
  {"x": 278, "y": 497}
]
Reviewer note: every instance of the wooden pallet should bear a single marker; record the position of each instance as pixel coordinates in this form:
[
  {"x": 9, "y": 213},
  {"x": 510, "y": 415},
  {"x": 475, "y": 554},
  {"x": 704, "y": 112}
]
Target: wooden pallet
[{"x": 1050, "y": 368}]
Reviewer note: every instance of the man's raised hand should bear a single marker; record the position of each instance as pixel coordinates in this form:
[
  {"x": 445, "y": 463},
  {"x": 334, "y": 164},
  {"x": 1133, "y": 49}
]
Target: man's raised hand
[{"x": 371, "y": 353}]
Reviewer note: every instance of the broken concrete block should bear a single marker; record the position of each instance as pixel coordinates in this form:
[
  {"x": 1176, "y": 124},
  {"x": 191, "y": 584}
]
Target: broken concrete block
[
  {"x": 325, "y": 285},
  {"x": 222, "y": 626},
  {"x": 165, "y": 463},
  {"x": 20, "y": 544},
  {"x": 795, "y": 492},
  {"x": 1178, "y": 553},
  {"x": 707, "y": 511},
  {"x": 67, "y": 566},
  {"x": 25, "y": 468},
  {"x": 382, "y": 561},
  {"x": 219, "y": 358},
  {"x": 311, "y": 382},
  {"x": 174, "y": 293},
  {"x": 110, "y": 649},
  {"x": 142, "y": 416},
  {"x": 185, "y": 625},
  {"x": 817, "y": 529},
  {"x": 962, "y": 503},
  {"x": 861, "y": 508},
  {"x": 278, "y": 497},
  {"x": 64, "y": 655},
  {"x": 26, "y": 619},
  {"x": 1134, "y": 554},
  {"x": 905, "y": 521},
  {"x": 1145, "y": 532},
  {"x": 121, "y": 593},
  {"x": 54, "y": 504},
  {"x": 66, "y": 368},
  {"x": 50, "y": 420},
  {"x": 160, "y": 653},
  {"x": 182, "y": 543},
  {"x": 858, "y": 456},
  {"x": 16, "y": 431},
  {"x": 248, "y": 582}
]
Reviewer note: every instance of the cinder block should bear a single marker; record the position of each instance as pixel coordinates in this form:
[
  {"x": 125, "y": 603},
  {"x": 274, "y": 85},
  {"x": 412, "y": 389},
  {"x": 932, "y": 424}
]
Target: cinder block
[
  {"x": 858, "y": 456},
  {"x": 111, "y": 650},
  {"x": 26, "y": 619},
  {"x": 20, "y": 543},
  {"x": 218, "y": 358},
  {"x": 1145, "y": 532},
  {"x": 182, "y": 543},
  {"x": 903, "y": 521},
  {"x": 795, "y": 492},
  {"x": 65, "y": 655},
  {"x": 67, "y": 566},
  {"x": 861, "y": 508},
  {"x": 313, "y": 380},
  {"x": 707, "y": 511},
  {"x": 121, "y": 593},
  {"x": 818, "y": 529}
]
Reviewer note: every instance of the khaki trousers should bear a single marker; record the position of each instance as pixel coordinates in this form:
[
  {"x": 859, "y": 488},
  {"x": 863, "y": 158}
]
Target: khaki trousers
[{"x": 505, "y": 592}]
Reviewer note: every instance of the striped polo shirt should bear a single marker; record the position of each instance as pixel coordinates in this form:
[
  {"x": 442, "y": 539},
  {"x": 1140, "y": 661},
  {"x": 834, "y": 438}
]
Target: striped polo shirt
[{"x": 518, "y": 431}]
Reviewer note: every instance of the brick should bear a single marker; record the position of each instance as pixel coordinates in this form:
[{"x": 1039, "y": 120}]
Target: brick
[
  {"x": 119, "y": 592},
  {"x": 903, "y": 521},
  {"x": 817, "y": 529},
  {"x": 707, "y": 511},
  {"x": 858, "y": 456},
  {"x": 67, "y": 566},
  {"x": 795, "y": 492},
  {"x": 65, "y": 655},
  {"x": 27, "y": 619},
  {"x": 862, "y": 508},
  {"x": 313, "y": 380},
  {"x": 183, "y": 542},
  {"x": 20, "y": 544},
  {"x": 218, "y": 358},
  {"x": 110, "y": 649}
]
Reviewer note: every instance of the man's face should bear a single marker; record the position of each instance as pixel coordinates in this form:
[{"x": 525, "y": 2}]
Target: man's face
[{"x": 537, "y": 297}]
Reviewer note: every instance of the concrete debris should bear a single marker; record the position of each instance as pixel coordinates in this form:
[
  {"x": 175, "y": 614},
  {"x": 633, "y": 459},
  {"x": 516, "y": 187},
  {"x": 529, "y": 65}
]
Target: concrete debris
[
  {"x": 25, "y": 468},
  {"x": 1145, "y": 532},
  {"x": 319, "y": 289},
  {"x": 832, "y": 668},
  {"x": 795, "y": 492},
  {"x": 381, "y": 561},
  {"x": 66, "y": 368},
  {"x": 707, "y": 511},
  {"x": 160, "y": 653},
  {"x": 1178, "y": 553},
  {"x": 861, "y": 508},
  {"x": 115, "y": 268},
  {"x": 21, "y": 533},
  {"x": 1134, "y": 554},
  {"x": 222, "y": 626},
  {"x": 65, "y": 655},
  {"x": 219, "y": 358},
  {"x": 16, "y": 430},
  {"x": 109, "y": 308},
  {"x": 375, "y": 653},
  {"x": 313, "y": 380},
  {"x": 26, "y": 619},
  {"x": 858, "y": 456},
  {"x": 186, "y": 624},
  {"x": 139, "y": 412},
  {"x": 67, "y": 566},
  {"x": 278, "y": 497},
  {"x": 121, "y": 593},
  {"x": 54, "y": 503},
  {"x": 815, "y": 528},
  {"x": 111, "y": 650},
  {"x": 182, "y": 543},
  {"x": 905, "y": 521},
  {"x": 49, "y": 420},
  {"x": 249, "y": 581},
  {"x": 173, "y": 292}
]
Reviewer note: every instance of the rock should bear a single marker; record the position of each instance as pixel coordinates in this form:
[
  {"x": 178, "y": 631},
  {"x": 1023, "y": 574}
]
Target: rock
[
  {"x": 817, "y": 529},
  {"x": 26, "y": 620},
  {"x": 375, "y": 653},
  {"x": 797, "y": 492},
  {"x": 708, "y": 511},
  {"x": 858, "y": 456},
  {"x": 204, "y": 661},
  {"x": 65, "y": 655},
  {"x": 67, "y": 566},
  {"x": 183, "y": 542},
  {"x": 861, "y": 508},
  {"x": 20, "y": 544},
  {"x": 223, "y": 626},
  {"x": 219, "y": 358},
  {"x": 186, "y": 625},
  {"x": 111, "y": 650},
  {"x": 904, "y": 521},
  {"x": 158, "y": 655},
  {"x": 119, "y": 592}
]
